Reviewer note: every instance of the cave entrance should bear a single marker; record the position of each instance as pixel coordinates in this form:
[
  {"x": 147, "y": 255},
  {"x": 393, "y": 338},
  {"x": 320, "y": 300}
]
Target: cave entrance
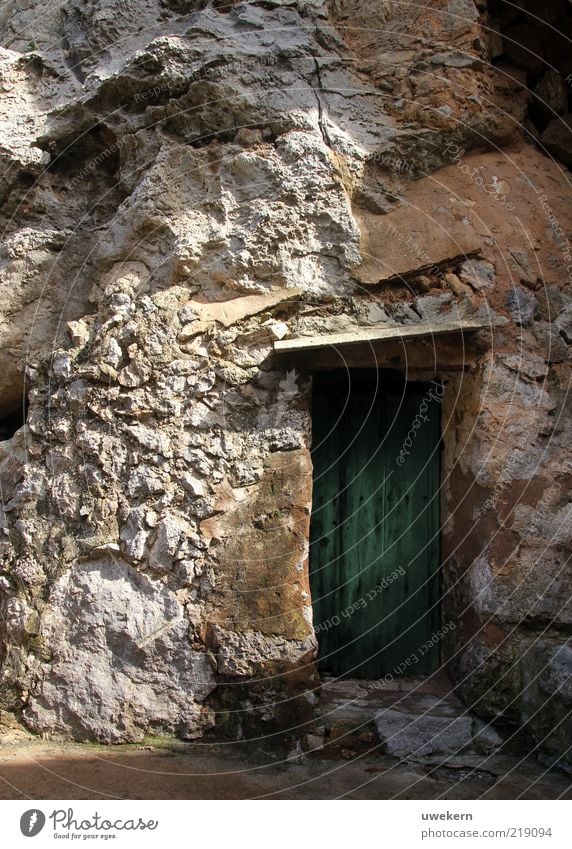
[{"x": 374, "y": 548}]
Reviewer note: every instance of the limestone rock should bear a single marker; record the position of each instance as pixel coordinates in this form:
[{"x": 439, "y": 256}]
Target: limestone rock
[
  {"x": 478, "y": 274},
  {"x": 240, "y": 654},
  {"x": 547, "y": 678},
  {"x": 556, "y": 677},
  {"x": 522, "y": 305},
  {"x": 564, "y": 324},
  {"x": 552, "y": 93},
  {"x": 183, "y": 184},
  {"x": 171, "y": 542},
  {"x": 486, "y": 739},
  {"x": 406, "y": 735},
  {"x": 556, "y": 138},
  {"x": 121, "y": 662}
]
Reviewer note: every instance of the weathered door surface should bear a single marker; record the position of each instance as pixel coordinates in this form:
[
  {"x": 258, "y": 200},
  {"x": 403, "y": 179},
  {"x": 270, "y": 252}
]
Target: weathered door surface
[{"x": 374, "y": 553}]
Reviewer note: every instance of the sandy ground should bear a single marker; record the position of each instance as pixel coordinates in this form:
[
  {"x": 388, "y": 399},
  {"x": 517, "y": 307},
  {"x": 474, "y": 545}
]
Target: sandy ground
[{"x": 31, "y": 769}]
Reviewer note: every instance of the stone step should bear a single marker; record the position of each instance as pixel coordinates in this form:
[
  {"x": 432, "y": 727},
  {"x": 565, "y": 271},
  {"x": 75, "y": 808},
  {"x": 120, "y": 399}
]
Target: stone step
[
  {"x": 406, "y": 735},
  {"x": 408, "y": 723}
]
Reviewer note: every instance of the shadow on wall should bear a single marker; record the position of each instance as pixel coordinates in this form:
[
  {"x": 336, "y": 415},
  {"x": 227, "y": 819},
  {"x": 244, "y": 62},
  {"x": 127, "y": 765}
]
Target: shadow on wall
[
  {"x": 531, "y": 43},
  {"x": 12, "y": 421}
]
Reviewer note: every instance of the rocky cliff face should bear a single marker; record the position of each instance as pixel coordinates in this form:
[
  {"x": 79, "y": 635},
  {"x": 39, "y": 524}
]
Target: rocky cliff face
[{"x": 183, "y": 184}]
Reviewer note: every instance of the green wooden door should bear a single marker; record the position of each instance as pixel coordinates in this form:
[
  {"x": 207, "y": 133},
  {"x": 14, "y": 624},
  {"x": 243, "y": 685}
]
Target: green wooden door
[{"x": 374, "y": 551}]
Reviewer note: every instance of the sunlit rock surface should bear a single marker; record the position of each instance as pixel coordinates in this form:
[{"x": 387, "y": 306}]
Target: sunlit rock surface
[{"x": 183, "y": 184}]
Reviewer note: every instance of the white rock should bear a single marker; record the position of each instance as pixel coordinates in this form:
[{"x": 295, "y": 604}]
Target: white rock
[
  {"x": 406, "y": 735},
  {"x": 193, "y": 485},
  {"x": 170, "y": 542},
  {"x": 137, "y": 671},
  {"x": 485, "y": 738},
  {"x": 79, "y": 332},
  {"x": 112, "y": 353},
  {"x": 62, "y": 365}
]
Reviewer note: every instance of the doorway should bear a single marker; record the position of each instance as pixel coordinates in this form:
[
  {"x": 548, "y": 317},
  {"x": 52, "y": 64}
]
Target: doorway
[{"x": 374, "y": 543}]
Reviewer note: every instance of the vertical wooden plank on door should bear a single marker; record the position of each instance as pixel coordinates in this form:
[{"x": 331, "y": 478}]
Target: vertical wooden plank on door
[
  {"x": 362, "y": 515},
  {"x": 325, "y": 539},
  {"x": 411, "y": 527}
]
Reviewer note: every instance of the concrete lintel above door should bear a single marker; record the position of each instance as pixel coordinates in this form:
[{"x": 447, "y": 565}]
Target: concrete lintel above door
[{"x": 380, "y": 334}]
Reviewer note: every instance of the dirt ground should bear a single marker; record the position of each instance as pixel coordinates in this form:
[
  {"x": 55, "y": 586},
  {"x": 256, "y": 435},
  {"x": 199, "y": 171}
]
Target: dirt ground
[{"x": 31, "y": 769}]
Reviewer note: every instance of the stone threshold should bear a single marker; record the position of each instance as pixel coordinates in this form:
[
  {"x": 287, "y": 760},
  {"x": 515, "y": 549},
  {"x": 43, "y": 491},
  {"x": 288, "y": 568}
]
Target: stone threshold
[{"x": 416, "y": 719}]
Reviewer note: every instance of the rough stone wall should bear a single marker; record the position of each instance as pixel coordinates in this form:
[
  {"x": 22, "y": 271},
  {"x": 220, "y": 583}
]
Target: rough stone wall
[{"x": 183, "y": 183}]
